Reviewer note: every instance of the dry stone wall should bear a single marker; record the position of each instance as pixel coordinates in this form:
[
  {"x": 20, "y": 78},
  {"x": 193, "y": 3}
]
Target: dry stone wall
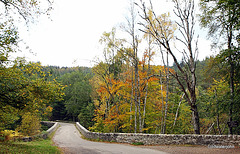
[
  {"x": 53, "y": 126},
  {"x": 163, "y": 139}
]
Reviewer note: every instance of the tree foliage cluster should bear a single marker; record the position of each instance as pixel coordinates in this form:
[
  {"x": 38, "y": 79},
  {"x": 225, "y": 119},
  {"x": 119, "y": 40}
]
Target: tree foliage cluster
[
  {"x": 221, "y": 17},
  {"x": 24, "y": 89},
  {"x": 76, "y": 104},
  {"x": 133, "y": 95},
  {"x": 77, "y": 100},
  {"x": 31, "y": 92}
]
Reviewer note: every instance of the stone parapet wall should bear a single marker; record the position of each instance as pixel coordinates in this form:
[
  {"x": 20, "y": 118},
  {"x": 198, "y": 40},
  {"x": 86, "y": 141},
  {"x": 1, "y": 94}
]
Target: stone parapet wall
[
  {"x": 162, "y": 139},
  {"x": 47, "y": 123},
  {"x": 53, "y": 126}
]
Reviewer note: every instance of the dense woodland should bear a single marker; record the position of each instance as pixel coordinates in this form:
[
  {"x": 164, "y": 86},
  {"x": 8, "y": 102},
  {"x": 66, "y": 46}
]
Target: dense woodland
[{"x": 125, "y": 92}]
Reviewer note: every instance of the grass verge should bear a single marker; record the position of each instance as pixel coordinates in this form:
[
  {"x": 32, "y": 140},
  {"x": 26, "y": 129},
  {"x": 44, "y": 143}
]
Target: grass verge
[
  {"x": 137, "y": 143},
  {"x": 39, "y": 146}
]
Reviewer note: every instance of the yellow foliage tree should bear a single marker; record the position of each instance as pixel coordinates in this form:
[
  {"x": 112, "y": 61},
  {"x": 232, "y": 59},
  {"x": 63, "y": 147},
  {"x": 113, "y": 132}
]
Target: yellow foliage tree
[{"x": 30, "y": 124}]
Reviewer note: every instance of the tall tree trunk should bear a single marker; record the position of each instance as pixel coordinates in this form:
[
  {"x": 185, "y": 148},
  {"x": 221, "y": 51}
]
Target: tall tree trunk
[
  {"x": 210, "y": 128},
  {"x": 232, "y": 98},
  {"x": 139, "y": 100},
  {"x": 230, "y": 35},
  {"x": 193, "y": 99},
  {"x": 135, "y": 118},
  {"x": 218, "y": 123},
  {"x": 131, "y": 103},
  {"x": 135, "y": 100},
  {"x": 144, "y": 106},
  {"x": 179, "y": 104},
  {"x": 139, "y": 115},
  {"x": 195, "y": 119},
  {"x": 162, "y": 119},
  {"x": 148, "y": 73},
  {"x": 167, "y": 91}
]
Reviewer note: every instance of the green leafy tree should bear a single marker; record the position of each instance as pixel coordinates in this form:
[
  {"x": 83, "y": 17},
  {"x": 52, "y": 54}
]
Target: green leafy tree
[
  {"x": 62, "y": 74},
  {"x": 86, "y": 115},
  {"x": 59, "y": 111},
  {"x": 23, "y": 88},
  {"x": 8, "y": 41},
  {"x": 8, "y": 115},
  {"x": 77, "y": 92},
  {"x": 221, "y": 17}
]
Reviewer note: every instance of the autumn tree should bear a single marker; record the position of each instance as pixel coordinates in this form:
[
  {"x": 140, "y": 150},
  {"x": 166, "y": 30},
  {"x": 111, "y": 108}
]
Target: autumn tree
[
  {"x": 146, "y": 62},
  {"x": 30, "y": 124},
  {"x": 135, "y": 62},
  {"x": 139, "y": 97},
  {"x": 109, "y": 77},
  {"x": 123, "y": 99},
  {"x": 185, "y": 76}
]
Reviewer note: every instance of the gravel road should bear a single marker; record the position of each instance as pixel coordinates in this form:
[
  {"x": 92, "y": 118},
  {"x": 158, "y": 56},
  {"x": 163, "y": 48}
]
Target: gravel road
[{"x": 69, "y": 139}]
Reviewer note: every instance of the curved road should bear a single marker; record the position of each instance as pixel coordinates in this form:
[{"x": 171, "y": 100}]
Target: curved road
[{"x": 69, "y": 139}]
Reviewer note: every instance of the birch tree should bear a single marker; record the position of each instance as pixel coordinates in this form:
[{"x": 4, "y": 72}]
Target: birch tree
[{"x": 185, "y": 76}]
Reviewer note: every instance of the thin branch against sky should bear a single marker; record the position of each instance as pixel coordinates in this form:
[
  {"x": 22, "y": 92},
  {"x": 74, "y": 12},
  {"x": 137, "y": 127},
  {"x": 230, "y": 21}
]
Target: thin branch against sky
[{"x": 75, "y": 28}]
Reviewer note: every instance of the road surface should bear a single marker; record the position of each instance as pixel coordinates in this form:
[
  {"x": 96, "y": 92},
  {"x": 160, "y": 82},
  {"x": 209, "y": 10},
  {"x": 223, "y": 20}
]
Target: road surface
[{"x": 69, "y": 139}]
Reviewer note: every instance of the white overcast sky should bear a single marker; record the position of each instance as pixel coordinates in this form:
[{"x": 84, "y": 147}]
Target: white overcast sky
[{"x": 71, "y": 37}]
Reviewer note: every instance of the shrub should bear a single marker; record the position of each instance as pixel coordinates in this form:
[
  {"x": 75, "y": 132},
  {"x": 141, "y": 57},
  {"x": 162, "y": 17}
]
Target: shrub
[
  {"x": 30, "y": 124},
  {"x": 7, "y": 135}
]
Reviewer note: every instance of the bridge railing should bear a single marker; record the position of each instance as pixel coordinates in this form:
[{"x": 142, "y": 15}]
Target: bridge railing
[{"x": 163, "y": 139}]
